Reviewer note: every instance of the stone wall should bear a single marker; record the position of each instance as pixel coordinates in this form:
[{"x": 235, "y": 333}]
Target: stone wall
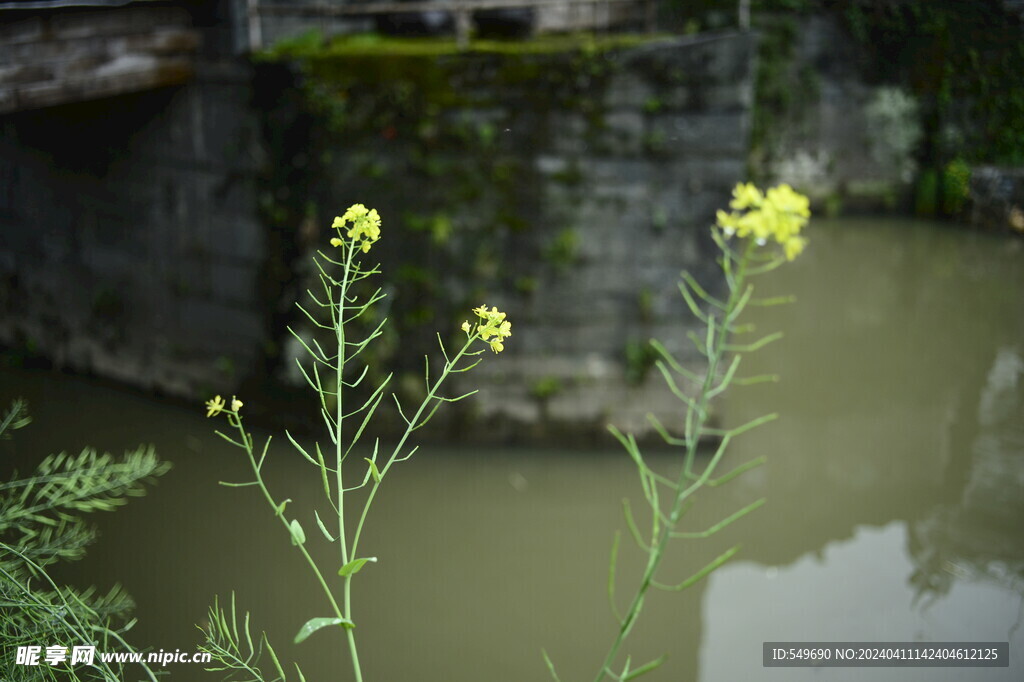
[
  {"x": 670, "y": 144},
  {"x": 130, "y": 245},
  {"x": 159, "y": 238},
  {"x": 569, "y": 189},
  {"x": 847, "y": 143}
]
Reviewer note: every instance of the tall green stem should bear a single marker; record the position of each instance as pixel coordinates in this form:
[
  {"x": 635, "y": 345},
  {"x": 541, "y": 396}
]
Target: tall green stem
[
  {"x": 279, "y": 513},
  {"x": 339, "y": 457},
  {"x": 683, "y": 491},
  {"x": 410, "y": 427}
]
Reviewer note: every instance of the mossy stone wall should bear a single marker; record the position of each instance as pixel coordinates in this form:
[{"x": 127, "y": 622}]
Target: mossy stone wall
[
  {"x": 566, "y": 182},
  {"x": 569, "y": 187}
]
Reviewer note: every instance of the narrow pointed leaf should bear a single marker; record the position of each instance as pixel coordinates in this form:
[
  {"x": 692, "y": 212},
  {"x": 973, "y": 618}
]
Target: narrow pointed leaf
[
  {"x": 314, "y": 624},
  {"x": 273, "y": 657},
  {"x": 374, "y": 471},
  {"x": 646, "y": 668},
  {"x": 323, "y": 528},
  {"x": 551, "y": 666},
  {"x": 353, "y": 567}
]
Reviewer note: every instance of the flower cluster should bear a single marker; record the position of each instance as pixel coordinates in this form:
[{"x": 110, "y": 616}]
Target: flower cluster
[
  {"x": 217, "y": 405},
  {"x": 493, "y": 328},
  {"x": 779, "y": 214},
  {"x": 365, "y": 228}
]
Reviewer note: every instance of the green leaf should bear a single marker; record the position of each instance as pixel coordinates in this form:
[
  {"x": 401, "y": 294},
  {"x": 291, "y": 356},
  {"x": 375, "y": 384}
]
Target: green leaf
[
  {"x": 646, "y": 668},
  {"x": 551, "y": 666},
  {"x": 298, "y": 535},
  {"x": 273, "y": 656},
  {"x": 611, "y": 576},
  {"x": 352, "y": 567},
  {"x": 374, "y": 471},
  {"x": 323, "y": 528},
  {"x": 314, "y": 624},
  {"x": 280, "y": 507}
]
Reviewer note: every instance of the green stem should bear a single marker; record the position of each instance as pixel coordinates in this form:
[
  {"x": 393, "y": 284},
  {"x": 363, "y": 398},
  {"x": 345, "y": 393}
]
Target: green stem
[
  {"x": 410, "y": 427},
  {"x": 279, "y": 513},
  {"x": 339, "y": 457},
  {"x": 699, "y": 415}
]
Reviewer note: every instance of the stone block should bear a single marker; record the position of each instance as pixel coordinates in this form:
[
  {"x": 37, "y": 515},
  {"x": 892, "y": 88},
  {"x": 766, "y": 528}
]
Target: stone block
[
  {"x": 214, "y": 326},
  {"x": 703, "y": 134},
  {"x": 233, "y": 282},
  {"x": 622, "y": 133},
  {"x": 628, "y": 91}
]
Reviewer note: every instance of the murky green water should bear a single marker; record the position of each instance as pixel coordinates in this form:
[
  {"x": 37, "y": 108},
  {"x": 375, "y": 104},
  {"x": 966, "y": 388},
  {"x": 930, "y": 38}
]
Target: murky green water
[{"x": 895, "y": 490}]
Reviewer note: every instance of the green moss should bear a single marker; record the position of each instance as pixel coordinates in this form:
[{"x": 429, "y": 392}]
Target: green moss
[
  {"x": 653, "y": 105},
  {"x": 563, "y": 250},
  {"x": 546, "y": 387},
  {"x": 956, "y": 186},
  {"x": 640, "y": 357},
  {"x": 312, "y": 44},
  {"x": 571, "y": 175},
  {"x": 833, "y": 205},
  {"x": 926, "y": 193},
  {"x": 526, "y": 285}
]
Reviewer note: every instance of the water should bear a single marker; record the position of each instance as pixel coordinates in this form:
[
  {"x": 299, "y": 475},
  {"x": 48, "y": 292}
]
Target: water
[{"x": 895, "y": 490}]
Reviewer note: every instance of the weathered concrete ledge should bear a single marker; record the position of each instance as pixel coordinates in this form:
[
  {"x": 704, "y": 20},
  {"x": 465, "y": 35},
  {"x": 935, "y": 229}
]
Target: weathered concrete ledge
[{"x": 60, "y": 57}]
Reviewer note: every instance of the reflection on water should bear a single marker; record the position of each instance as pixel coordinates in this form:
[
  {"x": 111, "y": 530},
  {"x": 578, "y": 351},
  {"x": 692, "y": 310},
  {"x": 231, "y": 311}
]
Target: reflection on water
[
  {"x": 896, "y": 483},
  {"x": 895, "y": 490},
  {"x": 854, "y": 590}
]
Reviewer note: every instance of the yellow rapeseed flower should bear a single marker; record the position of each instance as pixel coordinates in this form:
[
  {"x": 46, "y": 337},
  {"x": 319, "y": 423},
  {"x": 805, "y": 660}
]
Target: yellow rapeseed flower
[
  {"x": 493, "y": 324},
  {"x": 777, "y": 215},
  {"x": 788, "y": 201},
  {"x": 729, "y": 222},
  {"x": 746, "y": 195},
  {"x": 236, "y": 404},
  {"x": 794, "y": 246},
  {"x": 365, "y": 229},
  {"x": 214, "y": 406}
]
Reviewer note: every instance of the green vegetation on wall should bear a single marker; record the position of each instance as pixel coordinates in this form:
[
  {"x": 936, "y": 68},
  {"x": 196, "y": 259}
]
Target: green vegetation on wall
[
  {"x": 443, "y": 141},
  {"x": 959, "y": 63},
  {"x": 963, "y": 59}
]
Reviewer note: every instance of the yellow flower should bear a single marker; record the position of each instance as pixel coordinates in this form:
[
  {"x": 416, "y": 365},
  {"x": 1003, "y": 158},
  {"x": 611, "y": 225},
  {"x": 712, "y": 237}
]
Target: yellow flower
[
  {"x": 365, "y": 229},
  {"x": 787, "y": 201},
  {"x": 729, "y": 222},
  {"x": 794, "y": 246},
  {"x": 494, "y": 325},
  {"x": 214, "y": 407},
  {"x": 746, "y": 195},
  {"x": 236, "y": 404},
  {"x": 778, "y": 215}
]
